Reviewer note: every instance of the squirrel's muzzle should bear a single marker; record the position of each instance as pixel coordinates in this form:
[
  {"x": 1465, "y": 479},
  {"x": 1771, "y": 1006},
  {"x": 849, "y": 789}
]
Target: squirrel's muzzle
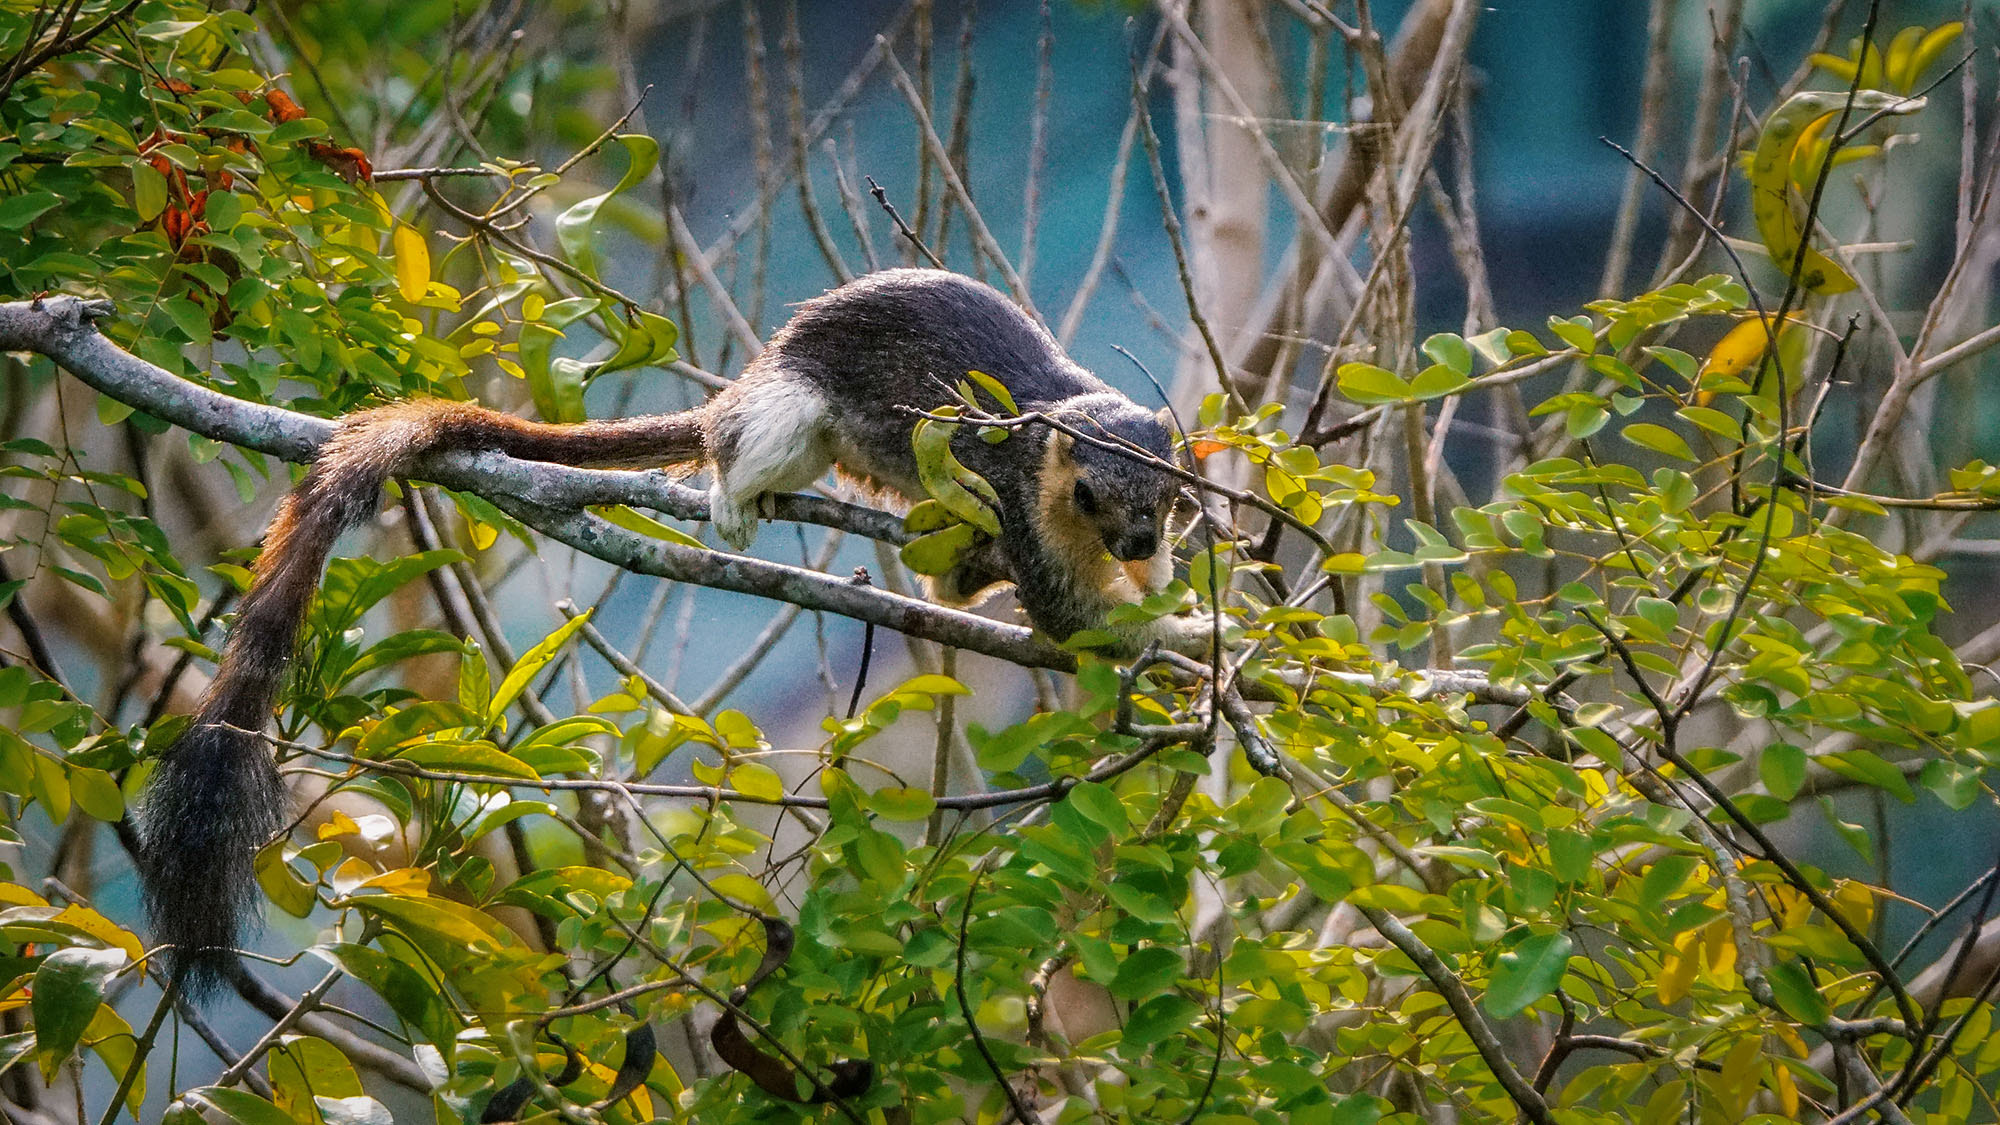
[{"x": 1134, "y": 546}]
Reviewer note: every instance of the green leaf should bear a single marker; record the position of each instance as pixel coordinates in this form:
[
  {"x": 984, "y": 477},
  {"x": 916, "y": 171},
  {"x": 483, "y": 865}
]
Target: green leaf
[
  {"x": 1868, "y": 768},
  {"x": 454, "y": 756},
  {"x": 1795, "y": 993},
  {"x": 69, "y": 985},
  {"x": 241, "y": 1106},
  {"x": 1570, "y": 854},
  {"x": 1664, "y": 878},
  {"x": 450, "y": 929},
  {"x": 1451, "y": 350},
  {"x": 531, "y": 662},
  {"x": 189, "y": 318},
  {"x": 17, "y": 211},
  {"x": 1575, "y": 332},
  {"x": 282, "y": 884},
  {"x": 1680, "y": 362},
  {"x": 1368, "y": 384},
  {"x": 573, "y": 227},
  {"x": 997, "y": 389},
  {"x": 1583, "y": 419},
  {"x": 1955, "y": 784},
  {"x": 1782, "y": 768},
  {"x": 555, "y": 385},
  {"x": 1659, "y": 439},
  {"x": 753, "y": 779},
  {"x": 1526, "y": 973},
  {"x": 352, "y": 586},
  {"x": 1857, "y": 837},
  {"x": 649, "y": 339},
  {"x": 1147, "y": 972},
  {"x": 149, "y": 192},
  {"x": 402, "y": 646},
  {"x": 405, "y": 990},
  {"x": 96, "y": 793},
  {"x": 1491, "y": 346},
  {"x": 963, "y": 492},
  {"x": 1158, "y": 1018},
  {"x": 938, "y": 552},
  {"x": 901, "y": 803},
  {"x": 304, "y": 1067},
  {"x": 1714, "y": 421},
  {"x": 1100, "y": 805},
  {"x": 1436, "y": 381}
]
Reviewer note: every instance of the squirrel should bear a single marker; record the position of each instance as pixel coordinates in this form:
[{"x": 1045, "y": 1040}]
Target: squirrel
[{"x": 1082, "y": 530}]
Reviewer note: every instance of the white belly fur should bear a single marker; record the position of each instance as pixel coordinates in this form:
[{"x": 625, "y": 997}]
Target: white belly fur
[{"x": 783, "y": 445}]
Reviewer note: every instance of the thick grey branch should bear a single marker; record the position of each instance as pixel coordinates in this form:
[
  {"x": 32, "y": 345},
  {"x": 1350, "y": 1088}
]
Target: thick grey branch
[{"x": 552, "y": 499}]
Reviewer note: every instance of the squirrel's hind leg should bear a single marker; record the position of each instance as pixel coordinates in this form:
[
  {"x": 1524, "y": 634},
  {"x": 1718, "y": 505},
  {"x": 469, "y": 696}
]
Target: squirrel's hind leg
[{"x": 773, "y": 435}]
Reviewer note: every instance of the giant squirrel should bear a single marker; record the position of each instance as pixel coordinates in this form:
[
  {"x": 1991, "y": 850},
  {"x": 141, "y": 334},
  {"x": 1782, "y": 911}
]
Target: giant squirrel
[{"x": 1082, "y": 530}]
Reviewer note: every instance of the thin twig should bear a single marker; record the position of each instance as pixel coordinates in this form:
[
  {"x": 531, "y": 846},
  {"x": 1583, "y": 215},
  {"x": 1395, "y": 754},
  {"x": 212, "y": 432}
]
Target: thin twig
[{"x": 902, "y": 228}]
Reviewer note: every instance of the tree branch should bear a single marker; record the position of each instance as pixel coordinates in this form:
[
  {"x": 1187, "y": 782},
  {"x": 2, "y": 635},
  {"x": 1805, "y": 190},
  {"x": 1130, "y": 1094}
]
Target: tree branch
[
  {"x": 1460, "y": 1001},
  {"x": 552, "y": 499},
  {"x": 549, "y": 498}
]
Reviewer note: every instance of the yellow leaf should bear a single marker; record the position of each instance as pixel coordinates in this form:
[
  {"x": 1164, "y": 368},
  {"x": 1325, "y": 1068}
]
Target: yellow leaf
[
  {"x": 743, "y": 889},
  {"x": 337, "y": 825},
  {"x": 757, "y": 781},
  {"x": 101, "y": 928},
  {"x": 1788, "y": 1092},
  {"x": 640, "y": 1099},
  {"x": 631, "y": 520},
  {"x": 1932, "y": 46},
  {"x": 1744, "y": 347},
  {"x": 1856, "y": 902},
  {"x": 1678, "y": 968},
  {"x": 482, "y": 534},
  {"x": 1741, "y": 1069},
  {"x": 1793, "y": 908},
  {"x": 14, "y": 894},
  {"x": 1791, "y": 1038},
  {"x": 1719, "y": 947},
  {"x": 351, "y": 873},
  {"x": 401, "y": 881},
  {"x": 413, "y": 262}
]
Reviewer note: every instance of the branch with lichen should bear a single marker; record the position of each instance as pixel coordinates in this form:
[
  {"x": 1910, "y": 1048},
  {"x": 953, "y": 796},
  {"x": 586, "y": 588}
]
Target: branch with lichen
[
  {"x": 555, "y": 500},
  {"x": 552, "y": 499}
]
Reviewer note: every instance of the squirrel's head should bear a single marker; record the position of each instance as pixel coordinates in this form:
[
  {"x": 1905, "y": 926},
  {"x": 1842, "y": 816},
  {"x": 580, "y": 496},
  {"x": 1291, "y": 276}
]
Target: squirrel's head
[{"x": 1123, "y": 499}]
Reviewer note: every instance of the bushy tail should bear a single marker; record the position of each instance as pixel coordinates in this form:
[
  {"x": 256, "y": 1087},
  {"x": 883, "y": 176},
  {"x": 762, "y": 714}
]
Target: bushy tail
[{"x": 215, "y": 798}]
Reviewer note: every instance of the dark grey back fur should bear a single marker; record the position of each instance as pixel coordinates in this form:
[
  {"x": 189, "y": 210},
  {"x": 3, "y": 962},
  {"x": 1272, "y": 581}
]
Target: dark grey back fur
[{"x": 905, "y": 338}]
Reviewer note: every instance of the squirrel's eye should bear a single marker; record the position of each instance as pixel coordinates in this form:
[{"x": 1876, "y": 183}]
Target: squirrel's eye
[{"x": 1086, "y": 500}]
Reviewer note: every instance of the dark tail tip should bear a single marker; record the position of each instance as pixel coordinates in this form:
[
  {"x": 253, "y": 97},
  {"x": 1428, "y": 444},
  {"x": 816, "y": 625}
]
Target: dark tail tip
[{"x": 213, "y": 801}]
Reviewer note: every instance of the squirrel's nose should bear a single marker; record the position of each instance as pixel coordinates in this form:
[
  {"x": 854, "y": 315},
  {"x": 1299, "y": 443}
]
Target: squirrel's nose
[{"x": 1136, "y": 546}]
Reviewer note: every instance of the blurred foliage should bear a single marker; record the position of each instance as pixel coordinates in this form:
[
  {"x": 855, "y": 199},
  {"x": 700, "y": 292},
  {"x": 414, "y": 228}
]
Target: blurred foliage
[{"x": 1598, "y": 861}]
